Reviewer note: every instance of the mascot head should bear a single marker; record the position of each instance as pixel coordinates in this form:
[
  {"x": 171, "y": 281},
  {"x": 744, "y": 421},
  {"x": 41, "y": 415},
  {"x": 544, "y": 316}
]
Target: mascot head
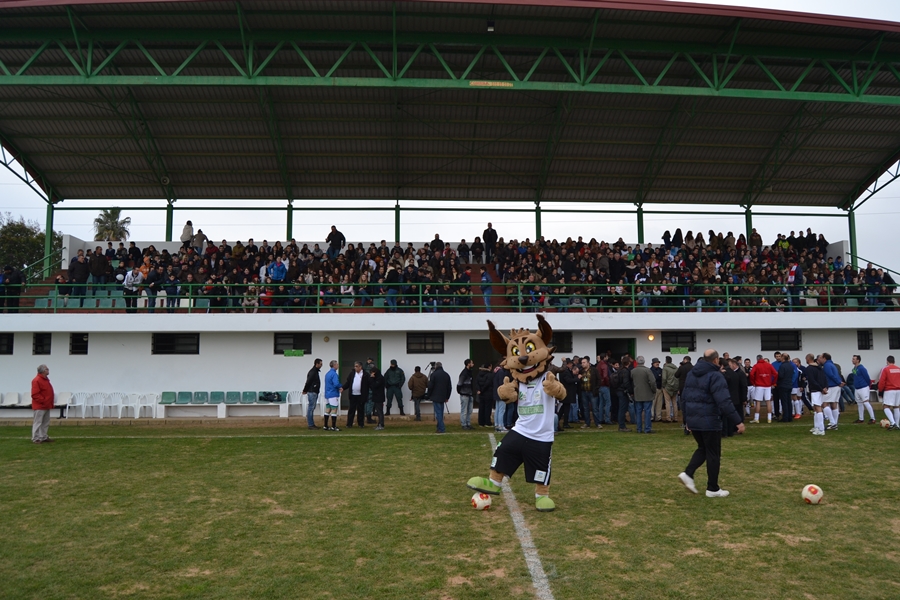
[{"x": 527, "y": 354}]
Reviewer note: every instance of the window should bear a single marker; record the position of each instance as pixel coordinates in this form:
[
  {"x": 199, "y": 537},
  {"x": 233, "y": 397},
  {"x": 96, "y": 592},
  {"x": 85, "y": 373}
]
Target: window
[
  {"x": 6, "y": 343},
  {"x": 41, "y": 343},
  {"x": 424, "y": 343},
  {"x": 78, "y": 343},
  {"x": 779, "y": 340},
  {"x": 293, "y": 341},
  {"x": 563, "y": 341},
  {"x": 893, "y": 339},
  {"x": 176, "y": 343},
  {"x": 864, "y": 339},
  {"x": 679, "y": 339}
]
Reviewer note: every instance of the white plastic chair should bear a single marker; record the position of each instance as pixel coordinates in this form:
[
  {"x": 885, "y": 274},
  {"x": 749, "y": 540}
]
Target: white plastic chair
[
  {"x": 132, "y": 401},
  {"x": 112, "y": 400},
  {"x": 149, "y": 401},
  {"x": 63, "y": 399},
  {"x": 295, "y": 397},
  {"x": 79, "y": 399},
  {"x": 94, "y": 400},
  {"x": 10, "y": 399}
]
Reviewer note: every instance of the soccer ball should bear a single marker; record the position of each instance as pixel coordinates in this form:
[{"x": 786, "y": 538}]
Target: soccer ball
[
  {"x": 812, "y": 494},
  {"x": 885, "y": 423},
  {"x": 481, "y": 501}
]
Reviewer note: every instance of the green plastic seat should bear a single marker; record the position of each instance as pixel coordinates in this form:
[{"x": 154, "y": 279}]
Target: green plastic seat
[
  {"x": 232, "y": 397},
  {"x": 202, "y": 303},
  {"x": 249, "y": 397},
  {"x": 116, "y": 293},
  {"x": 101, "y": 293},
  {"x": 378, "y": 303},
  {"x": 200, "y": 398},
  {"x": 283, "y": 396},
  {"x": 216, "y": 397},
  {"x": 167, "y": 398},
  {"x": 42, "y": 303},
  {"x": 592, "y": 302},
  {"x": 118, "y": 303},
  {"x": 259, "y": 397},
  {"x": 105, "y": 304},
  {"x": 184, "y": 398}
]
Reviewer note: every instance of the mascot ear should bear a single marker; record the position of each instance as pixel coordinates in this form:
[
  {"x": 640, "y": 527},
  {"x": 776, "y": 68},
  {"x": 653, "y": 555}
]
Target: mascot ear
[
  {"x": 498, "y": 340},
  {"x": 544, "y": 330}
]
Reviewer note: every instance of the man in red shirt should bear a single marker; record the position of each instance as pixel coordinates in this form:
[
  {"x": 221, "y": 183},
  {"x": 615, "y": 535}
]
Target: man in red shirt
[
  {"x": 41, "y": 404},
  {"x": 762, "y": 377},
  {"x": 889, "y": 390}
]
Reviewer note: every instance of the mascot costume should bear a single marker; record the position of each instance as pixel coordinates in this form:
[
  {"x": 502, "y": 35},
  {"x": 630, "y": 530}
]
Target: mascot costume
[{"x": 535, "y": 387}]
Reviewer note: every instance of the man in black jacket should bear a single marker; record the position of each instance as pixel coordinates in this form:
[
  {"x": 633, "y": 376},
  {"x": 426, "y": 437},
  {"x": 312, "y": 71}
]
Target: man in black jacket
[
  {"x": 783, "y": 388},
  {"x": 815, "y": 378},
  {"x": 737, "y": 389},
  {"x": 568, "y": 376},
  {"x": 357, "y": 385},
  {"x": 376, "y": 386},
  {"x": 439, "y": 390},
  {"x": 484, "y": 392},
  {"x": 11, "y": 286},
  {"x": 489, "y": 237},
  {"x": 311, "y": 389},
  {"x": 707, "y": 402}
]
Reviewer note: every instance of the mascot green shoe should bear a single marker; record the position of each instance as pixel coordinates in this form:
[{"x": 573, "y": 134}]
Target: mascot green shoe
[
  {"x": 483, "y": 484},
  {"x": 544, "y": 504}
]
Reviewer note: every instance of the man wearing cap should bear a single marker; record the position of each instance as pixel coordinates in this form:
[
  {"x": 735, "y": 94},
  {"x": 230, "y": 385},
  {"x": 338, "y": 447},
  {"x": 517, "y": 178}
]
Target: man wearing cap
[
  {"x": 658, "y": 402},
  {"x": 394, "y": 378}
]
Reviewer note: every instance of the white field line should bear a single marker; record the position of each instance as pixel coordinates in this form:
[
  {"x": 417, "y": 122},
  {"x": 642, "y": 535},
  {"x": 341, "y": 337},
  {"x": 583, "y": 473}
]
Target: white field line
[
  {"x": 535, "y": 567},
  {"x": 332, "y": 435}
]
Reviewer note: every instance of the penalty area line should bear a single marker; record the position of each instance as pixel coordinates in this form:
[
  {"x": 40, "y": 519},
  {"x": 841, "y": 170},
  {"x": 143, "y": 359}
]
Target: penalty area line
[{"x": 535, "y": 566}]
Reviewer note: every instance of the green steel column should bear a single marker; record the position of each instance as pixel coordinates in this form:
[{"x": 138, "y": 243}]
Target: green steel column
[
  {"x": 537, "y": 219},
  {"x": 290, "y": 220},
  {"x": 397, "y": 223},
  {"x": 640, "y": 224},
  {"x": 48, "y": 240},
  {"x": 170, "y": 218},
  {"x": 748, "y": 223},
  {"x": 851, "y": 221}
]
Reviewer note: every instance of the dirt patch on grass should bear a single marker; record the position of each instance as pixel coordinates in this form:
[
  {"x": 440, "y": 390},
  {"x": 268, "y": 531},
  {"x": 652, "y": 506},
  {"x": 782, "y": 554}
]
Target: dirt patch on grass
[
  {"x": 599, "y": 539},
  {"x": 895, "y": 526},
  {"x": 794, "y": 540},
  {"x": 718, "y": 525},
  {"x": 498, "y": 573},
  {"x": 48, "y": 482},
  {"x": 458, "y": 580},
  {"x": 131, "y": 590},
  {"x": 583, "y": 554},
  {"x": 621, "y": 522},
  {"x": 739, "y": 546},
  {"x": 195, "y": 572},
  {"x": 695, "y": 552}
]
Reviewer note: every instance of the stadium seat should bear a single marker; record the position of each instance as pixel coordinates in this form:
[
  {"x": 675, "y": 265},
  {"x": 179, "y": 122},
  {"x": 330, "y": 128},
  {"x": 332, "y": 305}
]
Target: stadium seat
[
  {"x": 94, "y": 400},
  {"x": 78, "y": 401},
  {"x": 295, "y": 397},
  {"x": 378, "y": 303},
  {"x": 216, "y": 397},
  {"x": 283, "y": 396},
  {"x": 10, "y": 399},
  {"x": 149, "y": 401},
  {"x": 105, "y": 304},
  {"x": 259, "y": 398},
  {"x": 167, "y": 398},
  {"x": 249, "y": 397},
  {"x": 112, "y": 400},
  {"x": 852, "y": 303},
  {"x": 62, "y": 399},
  {"x": 42, "y": 303},
  {"x": 101, "y": 293},
  {"x": 116, "y": 293},
  {"x": 132, "y": 401},
  {"x": 232, "y": 397},
  {"x": 118, "y": 303},
  {"x": 200, "y": 398},
  {"x": 184, "y": 398},
  {"x": 201, "y": 304}
]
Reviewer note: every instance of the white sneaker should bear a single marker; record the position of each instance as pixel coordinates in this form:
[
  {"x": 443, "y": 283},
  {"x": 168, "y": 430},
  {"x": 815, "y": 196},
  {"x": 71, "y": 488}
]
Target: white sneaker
[
  {"x": 818, "y": 432},
  {"x": 720, "y": 494},
  {"x": 756, "y": 421},
  {"x": 688, "y": 482}
]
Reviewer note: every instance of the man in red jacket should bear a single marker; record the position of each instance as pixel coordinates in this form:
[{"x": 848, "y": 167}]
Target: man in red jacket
[
  {"x": 762, "y": 377},
  {"x": 889, "y": 390},
  {"x": 41, "y": 404}
]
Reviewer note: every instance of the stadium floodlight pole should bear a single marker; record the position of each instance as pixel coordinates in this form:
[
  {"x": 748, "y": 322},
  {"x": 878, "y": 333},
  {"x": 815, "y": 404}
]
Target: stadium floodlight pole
[
  {"x": 170, "y": 218},
  {"x": 851, "y": 222},
  {"x": 537, "y": 220},
  {"x": 748, "y": 222},
  {"x": 397, "y": 222},
  {"x": 48, "y": 239},
  {"x": 290, "y": 219},
  {"x": 640, "y": 223}
]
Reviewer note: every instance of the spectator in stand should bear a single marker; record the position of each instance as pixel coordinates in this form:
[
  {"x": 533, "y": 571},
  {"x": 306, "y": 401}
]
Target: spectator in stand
[
  {"x": 490, "y": 241},
  {"x": 187, "y": 235},
  {"x": 79, "y": 272},
  {"x": 135, "y": 256},
  {"x": 98, "y": 266},
  {"x": 155, "y": 281},
  {"x": 336, "y": 242},
  {"x": 12, "y": 284}
]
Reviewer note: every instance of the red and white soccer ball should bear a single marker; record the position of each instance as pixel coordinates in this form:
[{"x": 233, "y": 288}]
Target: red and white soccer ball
[
  {"x": 885, "y": 423},
  {"x": 812, "y": 494},
  {"x": 481, "y": 501}
]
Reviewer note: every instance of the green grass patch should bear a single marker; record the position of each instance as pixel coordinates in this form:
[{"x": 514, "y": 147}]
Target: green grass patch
[{"x": 272, "y": 512}]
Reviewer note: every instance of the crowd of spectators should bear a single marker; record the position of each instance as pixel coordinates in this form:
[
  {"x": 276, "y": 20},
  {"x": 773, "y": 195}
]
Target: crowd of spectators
[{"x": 685, "y": 272}]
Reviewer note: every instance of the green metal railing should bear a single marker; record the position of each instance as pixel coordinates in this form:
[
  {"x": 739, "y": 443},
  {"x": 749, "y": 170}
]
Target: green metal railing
[
  {"x": 39, "y": 269},
  {"x": 462, "y": 297}
]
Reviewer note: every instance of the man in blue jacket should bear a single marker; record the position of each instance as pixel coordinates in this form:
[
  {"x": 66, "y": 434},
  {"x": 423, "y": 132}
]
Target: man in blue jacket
[
  {"x": 861, "y": 382},
  {"x": 333, "y": 391},
  {"x": 706, "y": 401},
  {"x": 832, "y": 393}
]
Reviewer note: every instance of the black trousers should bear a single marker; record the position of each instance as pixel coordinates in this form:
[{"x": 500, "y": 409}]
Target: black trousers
[
  {"x": 378, "y": 412},
  {"x": 131, "y": 300},
  {"x": 784, "y": 397},
  {"x": 709, "y": 450},
  {"x": 357, "y": 406},
  {"x": 484, "y": 410}
]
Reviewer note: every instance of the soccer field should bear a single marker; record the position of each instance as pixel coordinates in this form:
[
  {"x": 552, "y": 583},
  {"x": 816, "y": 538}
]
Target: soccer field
[{"x": 140, "y": 512}]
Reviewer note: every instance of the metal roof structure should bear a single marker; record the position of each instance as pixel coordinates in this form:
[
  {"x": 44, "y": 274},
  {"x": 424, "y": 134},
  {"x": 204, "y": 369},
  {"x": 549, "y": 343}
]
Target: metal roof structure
[{"x": 522, "y": 101}]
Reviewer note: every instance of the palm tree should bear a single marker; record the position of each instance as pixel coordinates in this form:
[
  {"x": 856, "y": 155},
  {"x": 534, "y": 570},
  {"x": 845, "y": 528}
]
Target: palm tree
[{"x": 108, "y": 226}]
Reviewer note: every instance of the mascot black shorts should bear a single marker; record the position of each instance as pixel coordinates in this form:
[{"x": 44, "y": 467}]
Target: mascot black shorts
[{"x": 516, "y": 449}]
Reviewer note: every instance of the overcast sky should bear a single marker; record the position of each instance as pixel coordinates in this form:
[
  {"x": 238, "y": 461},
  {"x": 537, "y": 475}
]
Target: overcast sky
[{"x": 876, "y": 220}]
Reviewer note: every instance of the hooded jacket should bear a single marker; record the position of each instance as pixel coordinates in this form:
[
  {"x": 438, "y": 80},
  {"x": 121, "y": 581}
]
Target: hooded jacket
[
  {"x": 707, "y": 399},
  {"x": 669, "y": 380}
]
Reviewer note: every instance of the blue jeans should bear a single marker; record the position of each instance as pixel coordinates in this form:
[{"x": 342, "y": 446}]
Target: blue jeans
[
  {"x": 499, "y": 414},
  {"x": 312, "y": 399},
  {"x": 624, "y": 405},
  {"x": 590, "y": 404},
  {"x": 573, "y": 413},
  {"x": 642, "y": 410},
  {"x": 605, "y": 400},
  {"x": 391, "y": 300},
  {"x": 465, "y": 410},
  {"x": 486, "y": 294},
  {"x": 439, "y": 416},
  {"x": 332, "y": 253}
]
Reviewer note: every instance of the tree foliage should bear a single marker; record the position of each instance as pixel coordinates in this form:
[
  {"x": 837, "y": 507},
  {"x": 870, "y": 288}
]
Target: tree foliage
[
  {"x": 22, "y": 242},
  {"x": 109, "y": 226}
]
